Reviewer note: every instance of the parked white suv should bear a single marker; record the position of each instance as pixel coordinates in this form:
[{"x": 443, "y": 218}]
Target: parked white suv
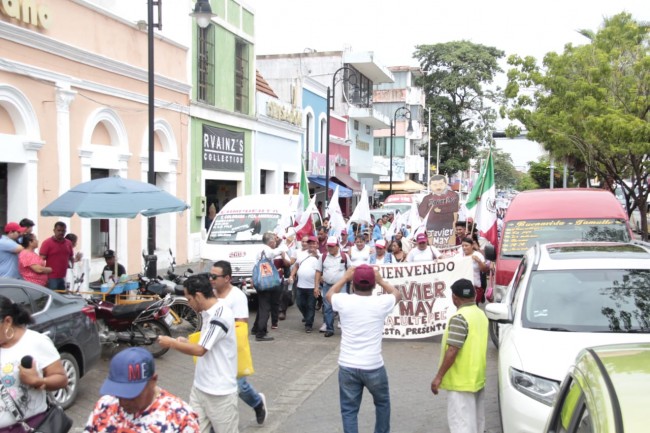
[{"x": 565, "y": 297}]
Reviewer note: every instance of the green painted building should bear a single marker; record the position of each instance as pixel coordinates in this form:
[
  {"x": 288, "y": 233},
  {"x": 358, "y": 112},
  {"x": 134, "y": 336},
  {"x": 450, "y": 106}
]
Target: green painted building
[{"x": 222, "y": 112}]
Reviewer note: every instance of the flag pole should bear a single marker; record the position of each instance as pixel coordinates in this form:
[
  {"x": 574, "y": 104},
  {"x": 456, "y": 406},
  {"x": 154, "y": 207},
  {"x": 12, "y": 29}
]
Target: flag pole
[{"x": 483, "y": 176}]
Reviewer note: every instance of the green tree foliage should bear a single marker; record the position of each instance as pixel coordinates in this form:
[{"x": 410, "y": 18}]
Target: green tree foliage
[
  {"x": 540, "y": 173},
  {"x": 456, "y": 74},
  {"x": 526, "y": 182},
  {"x": 505, "y": 173},
  {"x": 592, "y": 103}
]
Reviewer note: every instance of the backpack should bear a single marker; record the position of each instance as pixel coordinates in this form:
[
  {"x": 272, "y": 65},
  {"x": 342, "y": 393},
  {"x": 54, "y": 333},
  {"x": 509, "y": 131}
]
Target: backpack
[{"x": 265, "y": 274}]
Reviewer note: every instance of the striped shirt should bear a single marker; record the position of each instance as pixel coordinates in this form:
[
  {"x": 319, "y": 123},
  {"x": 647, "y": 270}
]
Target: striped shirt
[{"x": 458, "y": 330}]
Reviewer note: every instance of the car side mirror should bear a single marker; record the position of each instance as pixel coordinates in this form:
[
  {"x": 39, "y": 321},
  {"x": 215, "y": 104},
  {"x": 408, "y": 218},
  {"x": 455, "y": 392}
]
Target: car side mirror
[
  {"x": 498, "y": 312},
  {"x": 490, "y": 253}
]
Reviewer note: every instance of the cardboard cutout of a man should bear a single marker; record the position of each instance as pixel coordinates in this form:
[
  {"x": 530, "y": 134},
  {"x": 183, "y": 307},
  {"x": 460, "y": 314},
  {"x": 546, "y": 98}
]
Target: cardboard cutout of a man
[{"x": 443, "y": 204}]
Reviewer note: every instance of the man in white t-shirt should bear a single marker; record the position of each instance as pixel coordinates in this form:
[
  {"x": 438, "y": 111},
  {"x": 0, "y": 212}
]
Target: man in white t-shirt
[
  {"x": 214, "y": 391},
  {"x": 307, "y": 264},
  {"x": 360, "y": 362},
  {"x": 335, "y": 263},
  {"x": 237, "y": 301},
  {"x": 423, "y": 252}
]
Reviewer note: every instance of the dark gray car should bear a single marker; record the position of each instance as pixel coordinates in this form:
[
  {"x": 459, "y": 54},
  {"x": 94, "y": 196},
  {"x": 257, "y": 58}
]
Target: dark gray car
[{"x": 69, "y": 322}]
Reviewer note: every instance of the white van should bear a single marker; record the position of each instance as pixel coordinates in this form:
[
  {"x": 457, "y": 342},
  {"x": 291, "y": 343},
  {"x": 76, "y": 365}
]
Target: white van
[{"x": 236, "y": 233}]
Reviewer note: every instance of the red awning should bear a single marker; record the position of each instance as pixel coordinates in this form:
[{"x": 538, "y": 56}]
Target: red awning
[{"x": 348, "y": 181}]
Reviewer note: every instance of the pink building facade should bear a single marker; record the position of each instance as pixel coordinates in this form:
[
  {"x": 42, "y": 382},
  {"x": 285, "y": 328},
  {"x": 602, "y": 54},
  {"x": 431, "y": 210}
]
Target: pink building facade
[{"x": 73, "y": 107}]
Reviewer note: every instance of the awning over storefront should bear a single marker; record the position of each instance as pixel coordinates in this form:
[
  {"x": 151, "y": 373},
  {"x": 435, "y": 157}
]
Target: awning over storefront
[
  {"x": 343, "y": 191},
  {"x": 406, "y": 186},
  {"x": 347, "y": 180}
]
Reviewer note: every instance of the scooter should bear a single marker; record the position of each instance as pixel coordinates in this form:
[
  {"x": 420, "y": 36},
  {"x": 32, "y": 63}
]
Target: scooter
[
  {"x": 136, "y": 324},
  {"x": 184, "y": 316}
]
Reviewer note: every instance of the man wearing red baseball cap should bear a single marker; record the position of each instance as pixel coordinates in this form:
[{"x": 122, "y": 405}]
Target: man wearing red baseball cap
[
  {"x": 9, "y": 250},
  {"x": 360, "y": 362}
]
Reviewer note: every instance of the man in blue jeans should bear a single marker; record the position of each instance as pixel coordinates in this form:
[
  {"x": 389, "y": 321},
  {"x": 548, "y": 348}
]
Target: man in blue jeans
[
  {"x": 308, "y": 262},
  {"x": 334, "y": 262},
  {"x": 360, "y": 362}
]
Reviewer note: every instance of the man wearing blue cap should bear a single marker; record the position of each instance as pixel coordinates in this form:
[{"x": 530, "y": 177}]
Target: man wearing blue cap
[{"x": 133, "y": 402}]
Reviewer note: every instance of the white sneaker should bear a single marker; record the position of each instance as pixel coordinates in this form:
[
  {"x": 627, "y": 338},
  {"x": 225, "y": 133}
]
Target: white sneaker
[
  {"x": 323, "y": 328},
  {"x": 338, "y": 324}
]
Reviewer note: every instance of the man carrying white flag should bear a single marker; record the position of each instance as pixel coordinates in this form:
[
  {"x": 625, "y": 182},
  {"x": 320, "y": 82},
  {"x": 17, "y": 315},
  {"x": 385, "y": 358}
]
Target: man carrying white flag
[{"x": 482, "y": 202}]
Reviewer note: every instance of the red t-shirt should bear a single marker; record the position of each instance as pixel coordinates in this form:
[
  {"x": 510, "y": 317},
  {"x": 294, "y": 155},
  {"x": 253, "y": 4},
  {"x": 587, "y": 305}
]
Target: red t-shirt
[{"x": 57, "y": 256}]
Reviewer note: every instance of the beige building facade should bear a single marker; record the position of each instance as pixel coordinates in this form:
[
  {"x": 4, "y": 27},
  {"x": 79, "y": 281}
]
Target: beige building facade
[{"x": 73, "y": 107}]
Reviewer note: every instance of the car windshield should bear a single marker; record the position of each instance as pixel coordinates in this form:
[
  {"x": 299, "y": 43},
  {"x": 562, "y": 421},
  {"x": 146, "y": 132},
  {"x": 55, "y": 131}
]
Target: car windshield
[
  {"x": 241, "y": 227},
  {"x": 588, "y": 300},
  {"x": 518, "y": 236}
]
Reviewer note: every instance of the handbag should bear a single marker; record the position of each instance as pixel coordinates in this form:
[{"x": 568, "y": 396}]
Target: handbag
[
  {"x": 244, "y": 358},
  {"x": 55, "y": 420},
  {"x": 265, "y": 274}
]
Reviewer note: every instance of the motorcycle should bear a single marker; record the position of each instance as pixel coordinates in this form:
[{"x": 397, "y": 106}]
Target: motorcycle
[
  {"x": 185, "y": 317},
  {"x": 135, "y": 324}
]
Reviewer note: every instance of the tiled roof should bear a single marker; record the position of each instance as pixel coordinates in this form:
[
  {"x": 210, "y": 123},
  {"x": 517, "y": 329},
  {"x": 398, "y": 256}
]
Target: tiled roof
[{"x": 261, "y": 85}]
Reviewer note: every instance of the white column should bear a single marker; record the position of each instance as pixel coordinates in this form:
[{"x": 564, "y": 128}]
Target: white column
[
  {"x": 64, "y": 97},
  {"x": 29, "y": 181},
  {"x": 85, "y": 158}
]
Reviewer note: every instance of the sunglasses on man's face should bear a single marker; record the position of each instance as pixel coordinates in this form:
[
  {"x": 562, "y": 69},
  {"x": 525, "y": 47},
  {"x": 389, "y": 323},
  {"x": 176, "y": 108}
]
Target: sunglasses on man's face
[{"x": 215, "y": 276}]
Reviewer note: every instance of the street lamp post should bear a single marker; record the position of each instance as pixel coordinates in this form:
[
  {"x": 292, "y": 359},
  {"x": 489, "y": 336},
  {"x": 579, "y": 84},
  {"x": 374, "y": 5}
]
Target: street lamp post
[
  {"x": 438, "y": 155},
  {"x": 405, "y": 113},
  {"x": 429, "y": 151},
  {"x": 331, "y": 98},
  {"x": 151, "y": 174}
]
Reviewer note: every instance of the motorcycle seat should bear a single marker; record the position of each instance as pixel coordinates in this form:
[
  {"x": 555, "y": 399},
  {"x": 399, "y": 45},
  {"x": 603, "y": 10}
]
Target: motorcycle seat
[
  {"x": 131, "y": 310},
  {"x": 159, "y": 289},
  {"x": 178, "y": 290}
]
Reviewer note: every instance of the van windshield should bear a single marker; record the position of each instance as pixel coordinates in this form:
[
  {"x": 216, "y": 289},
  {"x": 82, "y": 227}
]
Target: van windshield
[
  {"x": 241, "y": 227},
  {"x": 392, "y": 207},
  {"x": 518, "y": 236}
]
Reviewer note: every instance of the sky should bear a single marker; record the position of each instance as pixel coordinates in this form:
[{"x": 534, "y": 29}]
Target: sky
[{"x": 392, "y": 29}]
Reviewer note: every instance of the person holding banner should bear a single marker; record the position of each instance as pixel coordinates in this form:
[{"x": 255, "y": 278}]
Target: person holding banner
[
  {"x": 360, "y": 362},
  {"x": 478, "y": 265},
  {"x": 423, "y": 252},
  {"x": 463, "y": 361}
]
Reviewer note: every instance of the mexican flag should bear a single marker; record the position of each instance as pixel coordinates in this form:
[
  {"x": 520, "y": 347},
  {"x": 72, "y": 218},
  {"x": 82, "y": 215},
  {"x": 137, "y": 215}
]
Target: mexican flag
[
  {"x": 304, "y": 207},
  {"x": 481, "y": 202}
]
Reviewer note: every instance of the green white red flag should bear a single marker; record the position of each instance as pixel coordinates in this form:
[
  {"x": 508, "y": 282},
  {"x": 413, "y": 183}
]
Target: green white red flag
[
  {"x": 482, "y": 202},
  {"x": 304, "y": 224}
]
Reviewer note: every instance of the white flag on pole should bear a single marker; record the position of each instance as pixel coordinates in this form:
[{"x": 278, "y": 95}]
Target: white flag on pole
[
  {"x": 361, "y": 213},
  {"x": 337, "y": 223}
]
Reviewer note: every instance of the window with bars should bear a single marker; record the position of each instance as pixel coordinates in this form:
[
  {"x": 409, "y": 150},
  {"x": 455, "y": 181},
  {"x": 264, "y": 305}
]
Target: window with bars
[
  {"x": 205, "y": 65},
  {"x": 242, "y": 79}
]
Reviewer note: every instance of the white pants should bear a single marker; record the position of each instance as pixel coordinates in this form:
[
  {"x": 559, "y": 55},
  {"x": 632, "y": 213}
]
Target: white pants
[
  {"x": 217, "y": 411},
  {"x": 466, "y": 411}
]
